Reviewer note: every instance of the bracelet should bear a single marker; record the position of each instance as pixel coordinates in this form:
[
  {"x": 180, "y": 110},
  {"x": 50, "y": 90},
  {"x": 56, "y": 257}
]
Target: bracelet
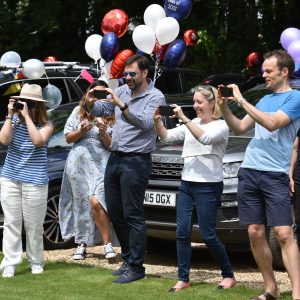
[
  {"x": 124, "y": 107},
  {"x": 241, "y": 101},
  {"x": 8, "y": 118},
  {"x": 185, "y": 122}
]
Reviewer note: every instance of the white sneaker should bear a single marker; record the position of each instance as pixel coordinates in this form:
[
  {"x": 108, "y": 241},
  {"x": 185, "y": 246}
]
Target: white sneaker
[
  {"x": 37, "y": 269},
  {"x": 80, "y": 253},
  {"x": 109, "y": 251},
  {"x": 9, "y": 271}
]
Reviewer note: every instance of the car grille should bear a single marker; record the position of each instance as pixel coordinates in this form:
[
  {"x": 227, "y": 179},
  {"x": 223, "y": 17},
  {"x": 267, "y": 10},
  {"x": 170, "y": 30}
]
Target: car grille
[{"x": 166, "y": 171}]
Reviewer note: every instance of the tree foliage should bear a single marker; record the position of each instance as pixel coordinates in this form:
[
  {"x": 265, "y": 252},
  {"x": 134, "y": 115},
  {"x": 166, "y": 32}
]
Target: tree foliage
[{"x": 228, "y": 29}]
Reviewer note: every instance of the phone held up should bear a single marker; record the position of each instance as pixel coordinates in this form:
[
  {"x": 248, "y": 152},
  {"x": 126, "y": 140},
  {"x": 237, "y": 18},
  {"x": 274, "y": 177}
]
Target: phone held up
[
  {"x": 166, "y": 111},
  {"x": 100, "y": 94},
  {"x": 226, "y": 91},
  {"x": 17, "y": 105}
]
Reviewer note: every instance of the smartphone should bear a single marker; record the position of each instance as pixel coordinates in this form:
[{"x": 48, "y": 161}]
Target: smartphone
[
  {"x": 166, "y": 111},
  {"x": 100, "y": 94},
  {"x": 226, "y": 91}
]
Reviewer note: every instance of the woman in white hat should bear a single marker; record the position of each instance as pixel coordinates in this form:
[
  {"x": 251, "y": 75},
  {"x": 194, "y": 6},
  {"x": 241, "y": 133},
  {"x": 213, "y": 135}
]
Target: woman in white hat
[{"x": 24, "y": 179}]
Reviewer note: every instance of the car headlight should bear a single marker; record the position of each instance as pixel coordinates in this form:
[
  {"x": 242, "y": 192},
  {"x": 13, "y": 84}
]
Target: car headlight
[{"x": 230, "y": 170}]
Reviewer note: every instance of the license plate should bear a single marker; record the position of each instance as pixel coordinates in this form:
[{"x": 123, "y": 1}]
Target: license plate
[{"x": 160, "y": 199}]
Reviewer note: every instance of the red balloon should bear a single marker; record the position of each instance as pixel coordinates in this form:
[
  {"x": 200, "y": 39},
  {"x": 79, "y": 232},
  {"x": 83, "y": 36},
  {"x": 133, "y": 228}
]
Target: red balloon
[
  {"x": 118, "y": 64},
  {"x": 254, "y": 59},
  {"x": 115, "y": 21},
  {"x": 160, "y": 50},
  {"x": 190, "y": 37},
  {"x": 50, "y": 59}
]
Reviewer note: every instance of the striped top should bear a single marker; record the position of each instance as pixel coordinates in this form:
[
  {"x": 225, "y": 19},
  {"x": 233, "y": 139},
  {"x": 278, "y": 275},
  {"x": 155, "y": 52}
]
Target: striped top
[{"x": 24, "y": 162}]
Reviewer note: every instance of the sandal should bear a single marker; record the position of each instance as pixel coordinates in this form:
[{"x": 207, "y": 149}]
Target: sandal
[
  {"x": 267, "y": 296},
  {"x": 229, "y": 285},
  {"x": 179, "y": 286}
]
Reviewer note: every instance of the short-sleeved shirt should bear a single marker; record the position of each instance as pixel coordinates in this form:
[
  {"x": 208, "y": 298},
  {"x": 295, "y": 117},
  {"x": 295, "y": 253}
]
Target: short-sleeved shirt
[
  {"x": 272, "y": 151},
  {"x": 24, "y": 162}
]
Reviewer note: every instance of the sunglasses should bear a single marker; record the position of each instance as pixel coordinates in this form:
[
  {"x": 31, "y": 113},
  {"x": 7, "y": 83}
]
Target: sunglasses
[
  {"x": 207, "y": 89},
  {"x": 131, "y": 74}
]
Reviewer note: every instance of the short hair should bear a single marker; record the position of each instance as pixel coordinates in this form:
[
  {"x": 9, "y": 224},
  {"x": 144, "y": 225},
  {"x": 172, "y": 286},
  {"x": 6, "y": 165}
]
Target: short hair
[
  {"x": 284, "y": 60},
  {"x": 142, "y": 61}
]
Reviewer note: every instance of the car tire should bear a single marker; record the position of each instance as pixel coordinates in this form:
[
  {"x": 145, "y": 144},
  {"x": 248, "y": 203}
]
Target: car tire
[{"x": 52, "y": 234}]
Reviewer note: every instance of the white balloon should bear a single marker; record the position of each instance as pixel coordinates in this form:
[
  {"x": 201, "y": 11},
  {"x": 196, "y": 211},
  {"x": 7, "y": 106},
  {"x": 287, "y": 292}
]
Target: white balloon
[
  {"x": 33, "y": 68},
  {"x": 153, "y": 14},
  {"x": 144, "y": 38},
  {"x": 10, "y": 59},
  {"x": 52, "y": 94},
  {"x": 167, "y": 30},
  {"x": 92, "y": 46}
]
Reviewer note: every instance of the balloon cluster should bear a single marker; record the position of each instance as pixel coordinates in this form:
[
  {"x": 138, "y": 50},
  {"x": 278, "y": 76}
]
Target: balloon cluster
[
  {"x": 290, "y": 41},
  {"x": 32, "y": 69},
  {"x": 105, "y": 49},
  {"x": 158, "y": 34}
]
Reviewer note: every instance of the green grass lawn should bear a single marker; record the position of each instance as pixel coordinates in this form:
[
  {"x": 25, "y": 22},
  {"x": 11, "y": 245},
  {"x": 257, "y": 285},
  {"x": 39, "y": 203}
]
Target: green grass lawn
[{"x": 62, "y": 281}]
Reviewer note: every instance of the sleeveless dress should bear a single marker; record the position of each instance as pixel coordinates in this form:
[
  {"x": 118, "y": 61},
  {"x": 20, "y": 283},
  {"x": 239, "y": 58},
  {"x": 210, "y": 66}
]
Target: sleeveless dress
[{"x": 83, "y": 177}]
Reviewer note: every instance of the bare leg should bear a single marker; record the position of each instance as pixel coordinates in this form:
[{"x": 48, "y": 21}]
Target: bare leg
[
  {"x": 290, "y": 256},
  {"x": 263, "y": 257},
  {"x": 101, "y": 219}
]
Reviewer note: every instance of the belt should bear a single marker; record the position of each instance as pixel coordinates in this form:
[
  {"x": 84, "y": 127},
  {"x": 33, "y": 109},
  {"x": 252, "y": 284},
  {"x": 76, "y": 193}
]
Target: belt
[{"x": 124, "y": 154}]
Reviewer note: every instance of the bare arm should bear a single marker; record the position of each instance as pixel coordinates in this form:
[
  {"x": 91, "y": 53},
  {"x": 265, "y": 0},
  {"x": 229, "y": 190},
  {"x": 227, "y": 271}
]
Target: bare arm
[
  {"x": 293, "y": 162},
  {"x": 270, "y": 122},
  {"x": 6, "y": 132},
  {"x": 74, "y": 136}
]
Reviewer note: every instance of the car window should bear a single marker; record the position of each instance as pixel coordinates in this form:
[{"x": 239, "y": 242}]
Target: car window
[
  {"x": 190, "y": 80},
  {"x": 168, "y": 82}
]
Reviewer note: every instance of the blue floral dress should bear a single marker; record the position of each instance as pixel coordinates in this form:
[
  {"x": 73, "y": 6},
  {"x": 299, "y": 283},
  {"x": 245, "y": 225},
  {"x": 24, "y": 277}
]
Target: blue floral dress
[{"x": 83, "y": 177}]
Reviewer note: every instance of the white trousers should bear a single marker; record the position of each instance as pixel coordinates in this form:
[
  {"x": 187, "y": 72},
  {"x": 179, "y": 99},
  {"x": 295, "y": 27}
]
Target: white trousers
[{"x": 23, "y": 202}]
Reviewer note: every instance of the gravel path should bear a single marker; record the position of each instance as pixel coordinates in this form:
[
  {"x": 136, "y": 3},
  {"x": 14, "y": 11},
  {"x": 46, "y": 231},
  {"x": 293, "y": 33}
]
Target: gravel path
[{"x": 162, "y": 262}]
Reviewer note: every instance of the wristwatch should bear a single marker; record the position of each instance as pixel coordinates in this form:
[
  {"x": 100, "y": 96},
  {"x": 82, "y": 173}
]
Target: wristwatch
[{"x": 124, "y": 107}]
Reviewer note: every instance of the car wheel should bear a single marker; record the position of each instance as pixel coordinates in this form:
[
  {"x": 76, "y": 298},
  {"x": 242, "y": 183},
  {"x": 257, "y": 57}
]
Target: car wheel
[{"x": 52, "y": 234}]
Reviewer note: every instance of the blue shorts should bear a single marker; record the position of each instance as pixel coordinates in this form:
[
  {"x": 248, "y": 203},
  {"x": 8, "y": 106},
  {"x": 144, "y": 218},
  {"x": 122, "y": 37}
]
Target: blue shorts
[{"x": 264, "y": 198}]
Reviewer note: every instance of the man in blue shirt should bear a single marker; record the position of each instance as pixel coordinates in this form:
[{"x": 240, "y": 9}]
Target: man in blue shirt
[
  {"x": 129, "y": 166},
  {"x": 263, "y": 189}
]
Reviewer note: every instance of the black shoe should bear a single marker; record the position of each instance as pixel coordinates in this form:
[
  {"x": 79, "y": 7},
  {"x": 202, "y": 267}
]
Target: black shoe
[
  {"x": 121, "y": 270},
  {"x": 129, "y": 276}
]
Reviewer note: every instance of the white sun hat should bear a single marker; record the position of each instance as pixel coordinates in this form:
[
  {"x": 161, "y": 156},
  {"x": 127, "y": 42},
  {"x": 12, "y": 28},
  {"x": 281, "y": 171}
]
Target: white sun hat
[{"x": 31, "y": 92}]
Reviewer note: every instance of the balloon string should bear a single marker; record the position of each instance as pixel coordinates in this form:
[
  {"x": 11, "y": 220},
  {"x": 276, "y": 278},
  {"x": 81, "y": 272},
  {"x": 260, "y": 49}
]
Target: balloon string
[
  {"x": 47, "y": 78},
  {"x": 77, "y": 77}
]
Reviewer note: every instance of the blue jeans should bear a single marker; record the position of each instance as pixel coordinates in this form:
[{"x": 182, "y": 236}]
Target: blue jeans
[
  {"x": 125, "y": 181},
  {"x": 205, "y": 197}
]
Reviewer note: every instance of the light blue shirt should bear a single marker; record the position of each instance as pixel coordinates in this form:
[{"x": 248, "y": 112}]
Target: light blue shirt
[
  {"x": 136, "y": 133},
  {"x": 272, "y": 151}
]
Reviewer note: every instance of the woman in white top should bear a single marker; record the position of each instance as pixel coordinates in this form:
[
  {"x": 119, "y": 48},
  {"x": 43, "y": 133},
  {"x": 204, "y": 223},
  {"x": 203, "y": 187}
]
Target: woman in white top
[{"x": 205, "y": 139}]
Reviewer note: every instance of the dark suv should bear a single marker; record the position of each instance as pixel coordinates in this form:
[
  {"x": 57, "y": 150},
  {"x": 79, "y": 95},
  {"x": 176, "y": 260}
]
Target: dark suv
[{"x": 63, "y": 75}]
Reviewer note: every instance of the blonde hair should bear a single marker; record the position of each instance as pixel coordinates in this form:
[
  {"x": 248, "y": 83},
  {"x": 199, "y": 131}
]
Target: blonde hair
[{"x": 211, "y": 94}]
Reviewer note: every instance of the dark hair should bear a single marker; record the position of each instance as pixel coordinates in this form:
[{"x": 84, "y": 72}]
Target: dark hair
[
  {"x": 142, "y": 62},
  {"x": 284, "y": 60},
  {"x": 83, "y": 114}
]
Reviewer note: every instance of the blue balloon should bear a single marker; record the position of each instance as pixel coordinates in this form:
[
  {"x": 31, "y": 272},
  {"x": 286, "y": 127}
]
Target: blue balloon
[
  {"x": 52, "y": 94},
  {"x": 140, "y": 52},
  {"x": 297, "y": 70},
  {"x": 175, "y": 54},
  {"x": 109, "y": 46},
  {"x": 178, "y": 9}
]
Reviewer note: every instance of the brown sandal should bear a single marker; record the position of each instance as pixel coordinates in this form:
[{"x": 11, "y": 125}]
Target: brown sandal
[{"x": 267, "y": 295}]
